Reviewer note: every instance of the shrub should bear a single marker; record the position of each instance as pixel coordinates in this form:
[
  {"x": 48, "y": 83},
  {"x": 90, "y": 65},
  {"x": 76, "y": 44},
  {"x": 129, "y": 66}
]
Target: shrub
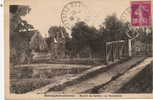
[{"x": 26, "y": 85}]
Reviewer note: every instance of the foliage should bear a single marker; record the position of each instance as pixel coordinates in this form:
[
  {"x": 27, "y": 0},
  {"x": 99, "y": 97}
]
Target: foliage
[
  {"x": 145, "y": 36},
  {"x": 20, "y": 34},
  {"x": 27, "y": 85},
  {"x": 84, "y": 36},
  {"x": 58, "y": 32},
  {"x": 114, "y": 29},
  {"x": 37, "y": 42},
  {"x": 56, "y": 41},
  {"x": 16, "y": 11}
]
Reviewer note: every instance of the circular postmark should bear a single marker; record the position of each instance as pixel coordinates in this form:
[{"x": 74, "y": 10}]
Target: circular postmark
[
  {"x": 72, "y": 13},
  {"x": 125, "y": 17}
]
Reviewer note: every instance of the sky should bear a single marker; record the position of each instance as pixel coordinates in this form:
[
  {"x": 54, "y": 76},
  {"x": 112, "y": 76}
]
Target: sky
[{"x": 47, "y": 13}]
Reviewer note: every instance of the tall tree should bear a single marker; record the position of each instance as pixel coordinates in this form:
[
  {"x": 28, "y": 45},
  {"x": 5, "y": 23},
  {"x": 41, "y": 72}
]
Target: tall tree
[
  {"x": 84, "y": 36},
  {"x": 20, "y": 34},
  {"x": 58, "y": 32},
  {"x": 38, "y": 43},
  {"x": 56, "y": 41},
  {"x": 114, "y": 29}
]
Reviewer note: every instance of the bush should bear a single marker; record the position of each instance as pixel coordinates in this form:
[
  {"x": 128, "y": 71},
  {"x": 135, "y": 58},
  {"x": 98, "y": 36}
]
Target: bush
[{"x": 26, "y": 85}]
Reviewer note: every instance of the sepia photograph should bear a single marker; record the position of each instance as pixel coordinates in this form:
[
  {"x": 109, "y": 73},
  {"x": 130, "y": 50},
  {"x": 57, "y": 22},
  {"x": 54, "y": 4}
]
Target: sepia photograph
[{"x": 78, "y": 48}]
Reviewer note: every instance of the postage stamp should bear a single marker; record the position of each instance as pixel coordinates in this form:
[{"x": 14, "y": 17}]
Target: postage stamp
[
  {"x": 78, "y": 49},
  {"x": 141, "y": 13}
]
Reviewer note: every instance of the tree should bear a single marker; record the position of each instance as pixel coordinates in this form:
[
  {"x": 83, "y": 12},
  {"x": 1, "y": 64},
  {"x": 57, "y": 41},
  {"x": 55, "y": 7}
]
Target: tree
[
  {"x": 84, "y": 36},
  {"x": 16, "y": 11},
  {"x": 114, "y": 29},
  {"x": 81, "y": 31},
  {"x": 20, "y": 35},
  {"x": 56, "y": 41},
  {"x": 58, "y": 32},
  {"x": 38, "y": 43}
]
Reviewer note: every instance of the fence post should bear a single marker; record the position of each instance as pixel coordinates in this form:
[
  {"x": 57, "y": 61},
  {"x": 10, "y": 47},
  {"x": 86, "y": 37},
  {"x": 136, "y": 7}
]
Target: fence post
[
  {"x": 106, "y": 58},
  {"x": 114, "y": 51},
  {"x": 129, "y": 48},
  {"x": 118, "y": 48}
]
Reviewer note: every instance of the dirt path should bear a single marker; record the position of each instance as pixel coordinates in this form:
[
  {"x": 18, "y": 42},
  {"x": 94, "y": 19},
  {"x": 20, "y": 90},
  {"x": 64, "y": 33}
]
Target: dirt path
[
  {"x": 99, "y": 79},
  {"x": 136, "y": 80}
]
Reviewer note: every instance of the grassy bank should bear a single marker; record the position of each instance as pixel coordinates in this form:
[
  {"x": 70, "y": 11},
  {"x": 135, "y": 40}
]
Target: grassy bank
[{"x": 141, "y": 83}]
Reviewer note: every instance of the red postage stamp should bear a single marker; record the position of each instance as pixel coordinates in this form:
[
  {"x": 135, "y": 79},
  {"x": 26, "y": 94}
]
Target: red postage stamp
[{"x": 141, "y": 13}]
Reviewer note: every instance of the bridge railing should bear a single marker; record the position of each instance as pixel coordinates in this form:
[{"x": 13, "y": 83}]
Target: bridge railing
[{"x": 115, "y": 50}]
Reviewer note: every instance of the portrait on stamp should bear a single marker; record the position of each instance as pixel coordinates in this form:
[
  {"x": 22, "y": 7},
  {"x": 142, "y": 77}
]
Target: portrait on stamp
[{"x": 78, "y": 48}]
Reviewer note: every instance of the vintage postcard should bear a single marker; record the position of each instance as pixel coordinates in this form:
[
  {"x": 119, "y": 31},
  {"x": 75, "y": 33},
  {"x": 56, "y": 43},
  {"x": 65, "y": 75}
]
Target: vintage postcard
[{"x": 78, "y": 49}]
